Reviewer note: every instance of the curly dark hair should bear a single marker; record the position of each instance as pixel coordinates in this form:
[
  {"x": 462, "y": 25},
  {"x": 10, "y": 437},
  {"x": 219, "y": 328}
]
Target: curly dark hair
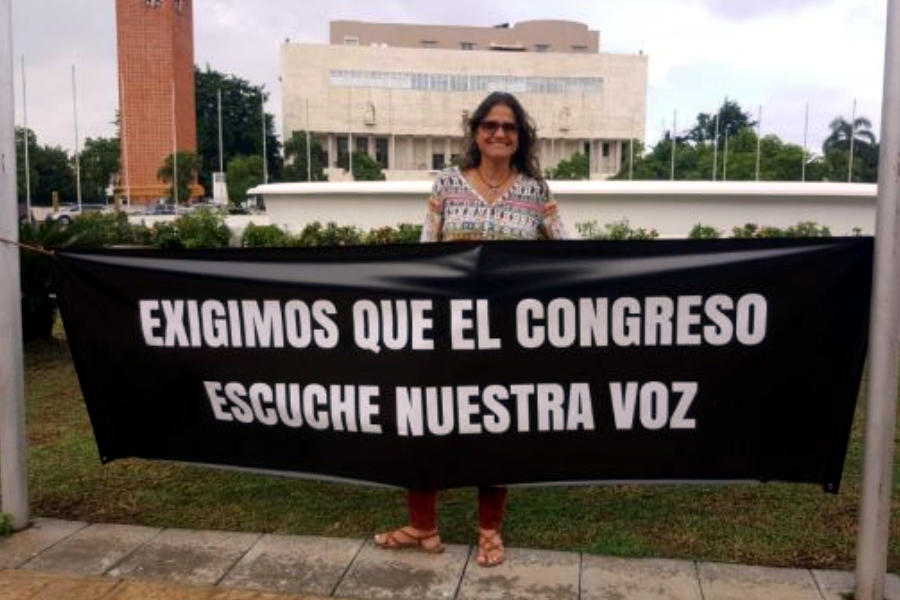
[{"x": 525, "y": 159}]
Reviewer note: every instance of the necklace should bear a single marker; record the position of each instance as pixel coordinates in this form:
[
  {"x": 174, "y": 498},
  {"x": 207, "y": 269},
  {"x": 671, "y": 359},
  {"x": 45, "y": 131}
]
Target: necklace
[{"x": 494, "y": 188}]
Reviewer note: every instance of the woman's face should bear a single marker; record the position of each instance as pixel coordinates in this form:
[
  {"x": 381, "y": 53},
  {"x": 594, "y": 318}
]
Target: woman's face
[{"x": 497, "y": 136}]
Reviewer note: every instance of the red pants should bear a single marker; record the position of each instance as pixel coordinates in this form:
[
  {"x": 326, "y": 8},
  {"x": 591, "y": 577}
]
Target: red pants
[{"x": 423, "y": 508}]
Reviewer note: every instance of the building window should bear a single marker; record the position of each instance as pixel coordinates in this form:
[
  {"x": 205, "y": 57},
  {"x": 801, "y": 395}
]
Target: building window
[
  {"x": 605, "y": 149},
  {"x": 429, "y": 43},
  {"x": 362, "y": 145},
  {"x": 467, "y": 45},
  {"x": 351, "y": 40},
  {"x": 587, "y": 151},
  {"x": 381, "y": 152},
  {"x": 437, "y": 162},
  {"x": 458, "y": 82},
  {"x": 542, "y": 47},
  {"x": 153, "y": 3},
  {"x": 579, "y": 48}
]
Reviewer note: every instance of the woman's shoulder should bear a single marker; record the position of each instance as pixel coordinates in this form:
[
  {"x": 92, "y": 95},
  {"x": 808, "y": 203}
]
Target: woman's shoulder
[
  {"x": 533, "y": 187},
  {"x": 448, "y": 178}
]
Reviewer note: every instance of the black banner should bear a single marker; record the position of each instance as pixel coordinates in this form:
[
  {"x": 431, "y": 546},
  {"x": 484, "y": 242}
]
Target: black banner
[{"x": 443, "y": 365}]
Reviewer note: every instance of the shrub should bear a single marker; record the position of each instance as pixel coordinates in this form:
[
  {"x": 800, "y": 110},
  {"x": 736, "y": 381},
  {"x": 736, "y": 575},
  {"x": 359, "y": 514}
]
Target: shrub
[
  {"x": 405, "y": 233},
  {"x": 6, "y": 527},
  {"x": 803, "y": 229},
  {"x": 266, "y": 236},
  {"x": 331, "y": 235},
  {"x": 203, "y": 228},
  {"x": 617, "y": 230},
  {"x": 704, "y": 232},
  {"x": 165, "y": 236}
]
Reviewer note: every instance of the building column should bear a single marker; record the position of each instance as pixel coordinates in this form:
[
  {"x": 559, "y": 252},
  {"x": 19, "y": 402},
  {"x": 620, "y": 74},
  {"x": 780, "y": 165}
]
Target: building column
[
  {"x": 370, "y": 146},
  {"x": 428, "y": 152},
  {"x": 332, "y": 151},
  {"x": 448, "y": 150},
  {"x": 392, "y": 149}
]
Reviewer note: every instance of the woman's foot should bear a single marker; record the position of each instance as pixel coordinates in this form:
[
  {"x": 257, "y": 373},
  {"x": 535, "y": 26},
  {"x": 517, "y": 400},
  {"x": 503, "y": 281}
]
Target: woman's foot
[
  {"x": 490, "y": 547},
  {"x": 410, "y": 537}
]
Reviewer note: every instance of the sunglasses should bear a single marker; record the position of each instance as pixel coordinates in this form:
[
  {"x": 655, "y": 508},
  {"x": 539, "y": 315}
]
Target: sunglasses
[{"x": 493, "y": 126}]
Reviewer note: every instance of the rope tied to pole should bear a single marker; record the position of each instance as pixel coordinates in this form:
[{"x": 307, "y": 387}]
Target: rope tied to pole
[{"x": 38, "y": 249}]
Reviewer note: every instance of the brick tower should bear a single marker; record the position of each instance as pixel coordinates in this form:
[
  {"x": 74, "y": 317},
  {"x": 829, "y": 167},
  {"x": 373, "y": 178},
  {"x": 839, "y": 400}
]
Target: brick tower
[{"x": 156, "y": 60}]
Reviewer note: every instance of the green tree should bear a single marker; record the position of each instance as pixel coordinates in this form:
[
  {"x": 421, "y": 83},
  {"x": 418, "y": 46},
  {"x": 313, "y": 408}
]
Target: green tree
[
  {"x": 99, "y": 164},
  {"x": 241, "y": 123},
  {"x": 576, "y": 167},
  {"x": 365, "y": 168},
  {"x": 188, "y": 164},
  {"x": 50, "y": 170},
  {"x": 732, "y": 120},
  {"x": 865, "y": 150},
  {"x": 244, "y": 172},
  {"x": 295, "y": 158}
]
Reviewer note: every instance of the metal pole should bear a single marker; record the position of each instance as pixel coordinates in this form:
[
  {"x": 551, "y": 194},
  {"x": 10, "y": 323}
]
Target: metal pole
[
  {"x": 349, "y": 134},
  {"x": 852, "y": 134},
  {"x": 26, "y": 138},
  {"x": 631, "y": 153},
  {"x": 13, "y": 471},
  {"x": 672, "y": 169},
  {"x": 716, "y": 145},
  {"x": 308, "y": 149},
  {"x": 174, "y": 154},
  {"x": 805, "y": 132},
  {"x": 124, "y": 141},
  {"x": 221, "y": 158},
  {"x": 881, "y": 399},
  {"x": 77, "y": 144},
  {"x": 262, "y": 112},
  {"x": 758, "y": 139},
  {"x": 725, "y": 158}
]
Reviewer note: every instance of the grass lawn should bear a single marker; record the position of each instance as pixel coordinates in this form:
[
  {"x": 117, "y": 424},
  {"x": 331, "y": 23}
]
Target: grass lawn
[{"x": 772, "y": 524}]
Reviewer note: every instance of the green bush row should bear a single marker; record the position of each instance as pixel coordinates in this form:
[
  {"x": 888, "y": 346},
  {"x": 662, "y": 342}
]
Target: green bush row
[{"x": 207, "y": 229}]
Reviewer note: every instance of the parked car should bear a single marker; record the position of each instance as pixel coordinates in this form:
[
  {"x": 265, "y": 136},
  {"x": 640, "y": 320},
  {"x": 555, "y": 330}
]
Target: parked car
[{"x": 65, "y": 214}]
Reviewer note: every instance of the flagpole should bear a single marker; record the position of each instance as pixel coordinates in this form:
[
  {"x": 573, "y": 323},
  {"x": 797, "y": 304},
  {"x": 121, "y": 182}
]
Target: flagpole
[
  {"x": 631, "y": 152},
  {"x": 124, "y": 141},
  {"x": 716, "y": 144},
  {"x": 852, "y": 134},
  {"x": 805, "y": 131},
  {"x": 25, "y": 144},
  {"x": 758, "y": 139},
  {"x": 13, "y": 451},
  {"x": 884, "y": 326},
  {"x": 174, "y": 154},
  {"x": 77, "y": 143},
  {"x": 349, "y": 135},
  {"x": 262, "y": 110},
  {"x": 672, "y": 168},
  {"x": 725, "y": 158},
  {"x": 221, "y": 158},
  {"x": 308, "y": 149}
]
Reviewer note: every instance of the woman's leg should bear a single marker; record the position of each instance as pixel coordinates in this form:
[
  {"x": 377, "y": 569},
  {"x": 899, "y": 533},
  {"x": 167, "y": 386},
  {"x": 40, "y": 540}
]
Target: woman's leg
[
  {"x": 491, "y": 504},
  {"x": 422, "y": 531},
  {"x": 422, "y": 509}
]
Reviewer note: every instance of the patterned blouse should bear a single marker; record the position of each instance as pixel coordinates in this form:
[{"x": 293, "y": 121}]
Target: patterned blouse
[{"x": 457, "y": 212}]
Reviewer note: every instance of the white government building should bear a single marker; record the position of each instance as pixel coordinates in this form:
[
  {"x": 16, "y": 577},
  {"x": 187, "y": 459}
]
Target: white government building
[{"x": 402, "y": 92}]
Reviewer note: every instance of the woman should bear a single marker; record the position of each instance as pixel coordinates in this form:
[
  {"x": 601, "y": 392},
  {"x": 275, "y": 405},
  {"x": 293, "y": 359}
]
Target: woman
[{"x": 496, "y": 193}]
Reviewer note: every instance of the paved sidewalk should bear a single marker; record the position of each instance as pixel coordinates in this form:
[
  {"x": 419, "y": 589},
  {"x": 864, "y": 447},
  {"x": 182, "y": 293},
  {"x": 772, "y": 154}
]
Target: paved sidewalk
[{"x": 70, "y": 560}]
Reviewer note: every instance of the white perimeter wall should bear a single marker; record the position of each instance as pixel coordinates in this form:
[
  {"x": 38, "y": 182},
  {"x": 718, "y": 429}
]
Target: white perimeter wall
[{"x": 672, "y": 208}]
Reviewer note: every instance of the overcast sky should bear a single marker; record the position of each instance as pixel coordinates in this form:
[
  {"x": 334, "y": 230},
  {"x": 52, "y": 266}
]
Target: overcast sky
[{"x": 780, "y": 54}]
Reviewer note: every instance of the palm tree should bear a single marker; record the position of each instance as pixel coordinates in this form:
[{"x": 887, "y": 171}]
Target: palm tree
[{"x": 841, "y": 132}]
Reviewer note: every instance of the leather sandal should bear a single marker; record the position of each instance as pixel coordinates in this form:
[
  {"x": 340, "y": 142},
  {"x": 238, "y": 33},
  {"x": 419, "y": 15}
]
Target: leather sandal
[
  {"x": 407, "y": 537},
  {"x": 490, "y": 547}
]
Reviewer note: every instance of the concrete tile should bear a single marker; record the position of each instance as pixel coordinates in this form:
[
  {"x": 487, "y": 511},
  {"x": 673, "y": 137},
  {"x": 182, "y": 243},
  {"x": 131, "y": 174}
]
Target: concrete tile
[
  {"x": 608, "y": 578},
  {"x": 20, "y": 547},
  {"x": 378, "y": 573},
  {"x": 538, "y": 574},
  {"x": 158, "y": 590},
  {"x": 19, "y": 585},
  {"x": 295, "y": 564},
  {"x": 76, "y": 588},
  {"x": 835, "y": 583},
  {"x": 92, "y": 550},
  {"x": 186, "y": 556},
  {"x": 739, "y": 582}
]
